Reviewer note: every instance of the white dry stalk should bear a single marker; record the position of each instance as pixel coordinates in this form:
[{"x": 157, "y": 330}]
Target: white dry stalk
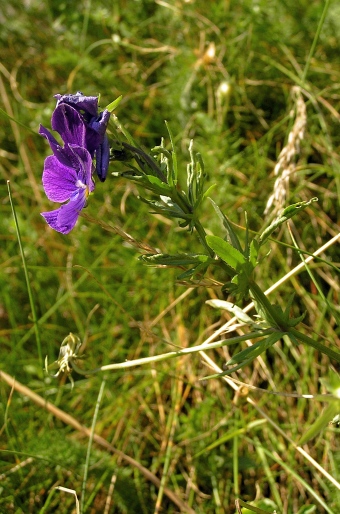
[{"x": 286, "y": 164}]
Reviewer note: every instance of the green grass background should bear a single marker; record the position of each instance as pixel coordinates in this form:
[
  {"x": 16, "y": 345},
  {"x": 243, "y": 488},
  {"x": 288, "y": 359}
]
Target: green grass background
[{"x": 156, "y": 54}]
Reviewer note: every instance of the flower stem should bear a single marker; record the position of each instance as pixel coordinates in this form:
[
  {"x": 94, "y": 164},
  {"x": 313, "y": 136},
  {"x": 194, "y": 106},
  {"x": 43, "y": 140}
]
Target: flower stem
[
  {"x": 171, "y": 355},
  {"x": 202, "y": 236},
  {"x": 269, "y": 313}
]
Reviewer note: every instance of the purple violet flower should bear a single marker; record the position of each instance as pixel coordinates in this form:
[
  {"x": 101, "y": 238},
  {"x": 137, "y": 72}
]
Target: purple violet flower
[
  {"x": 71, "y": 181},
  {"x": 68, "y": 173},
  {"x": 87, "y": 106}
]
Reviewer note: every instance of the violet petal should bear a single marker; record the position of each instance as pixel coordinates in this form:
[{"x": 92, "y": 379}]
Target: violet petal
[
  {"x": 59, "y": 181},
  {"x": 51, "y": 218},
  {"x": 68, "y": 213}
]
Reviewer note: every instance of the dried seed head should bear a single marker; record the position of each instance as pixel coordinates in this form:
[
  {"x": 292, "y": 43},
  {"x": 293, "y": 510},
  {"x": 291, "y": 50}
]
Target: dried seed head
[{"x": 286, "y": 164}]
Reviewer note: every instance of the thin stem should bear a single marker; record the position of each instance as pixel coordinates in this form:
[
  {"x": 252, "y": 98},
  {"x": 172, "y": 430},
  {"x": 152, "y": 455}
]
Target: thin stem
[
  {"x": 315, "y": 40},
  {"x": 236, "y": 465},
  {"x": 28, "y": 284},
  {"x": 89, "y": 446},
  {"x": 172, "y": 355},
  {"x": 202, "y": 236}
]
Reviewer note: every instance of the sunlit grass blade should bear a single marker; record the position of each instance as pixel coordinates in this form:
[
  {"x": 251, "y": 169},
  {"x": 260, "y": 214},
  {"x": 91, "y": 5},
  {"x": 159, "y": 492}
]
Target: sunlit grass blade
[
  {"x": 230, "y": 434},
  {"x": 28, "y": 283},
  {"x": 6, "y": 115},
  {"x": 89, "y": 446}
]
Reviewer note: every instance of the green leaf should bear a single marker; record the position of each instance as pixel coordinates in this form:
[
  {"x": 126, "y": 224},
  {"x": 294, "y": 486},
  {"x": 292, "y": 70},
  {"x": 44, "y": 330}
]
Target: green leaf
[
  {"x": 206, "y": 194},
  {"x": 190, "y": 273},
  {"x": 307, "y": 509},
  {"x": 325, "y": 418},
  {"x": 332, "y": 383},
  {"x": 157, "y": 185},
  {"x": 111, "y": 107},
  {"x": 225, "y": 251},
  {"x": 231, "y": 234},
  {"x": 256, "y": 506},
  {"x": 253, "y": 252},
  {"x": 256, "y": 349},
  {"x": 173, "y": 175},
  {"x": 149, "y": 182},
  {"x": 239, "y": 285},
  {"x": 303, "y": 338},
  {"x": 231, "y": 434}
]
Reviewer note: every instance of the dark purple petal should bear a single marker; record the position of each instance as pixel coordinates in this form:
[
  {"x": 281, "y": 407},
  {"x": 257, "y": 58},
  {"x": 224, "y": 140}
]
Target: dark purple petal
[
  {"x": 55, "y": 146},
  {"x": 103, "y": 159},
  {"x": 88, "y": 104},
  {"x": 59, "y": 181},
  {"x": 99, "y": 124},
  {"x": 51, "y": 139},
  {"x": 93, "y": 140},
  {"x": 70, "y": 125}
]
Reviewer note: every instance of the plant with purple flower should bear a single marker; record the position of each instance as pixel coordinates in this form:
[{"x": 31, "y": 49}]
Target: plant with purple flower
[{"x": 67, "y": 178}]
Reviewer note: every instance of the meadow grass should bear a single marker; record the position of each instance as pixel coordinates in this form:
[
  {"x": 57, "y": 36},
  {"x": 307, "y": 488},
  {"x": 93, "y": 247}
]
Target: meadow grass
[{"x": 162, "y": 437}]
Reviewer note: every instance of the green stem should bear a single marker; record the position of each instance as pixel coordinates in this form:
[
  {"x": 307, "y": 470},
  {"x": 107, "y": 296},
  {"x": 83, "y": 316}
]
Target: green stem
[
  {"x": 28, "y": 284},
  {"x": 270, "y": 314},
  {"x": 178, "y": 198},
  {"x": 171, "y": 355},
  {"x": 202, "y": 237},
  {"x": 89, "y": 447},
  {"x": 315, "y": 40}
]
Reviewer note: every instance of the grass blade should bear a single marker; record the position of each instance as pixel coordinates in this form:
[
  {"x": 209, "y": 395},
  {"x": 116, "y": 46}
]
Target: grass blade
[{"x": 28, "y": 284}]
